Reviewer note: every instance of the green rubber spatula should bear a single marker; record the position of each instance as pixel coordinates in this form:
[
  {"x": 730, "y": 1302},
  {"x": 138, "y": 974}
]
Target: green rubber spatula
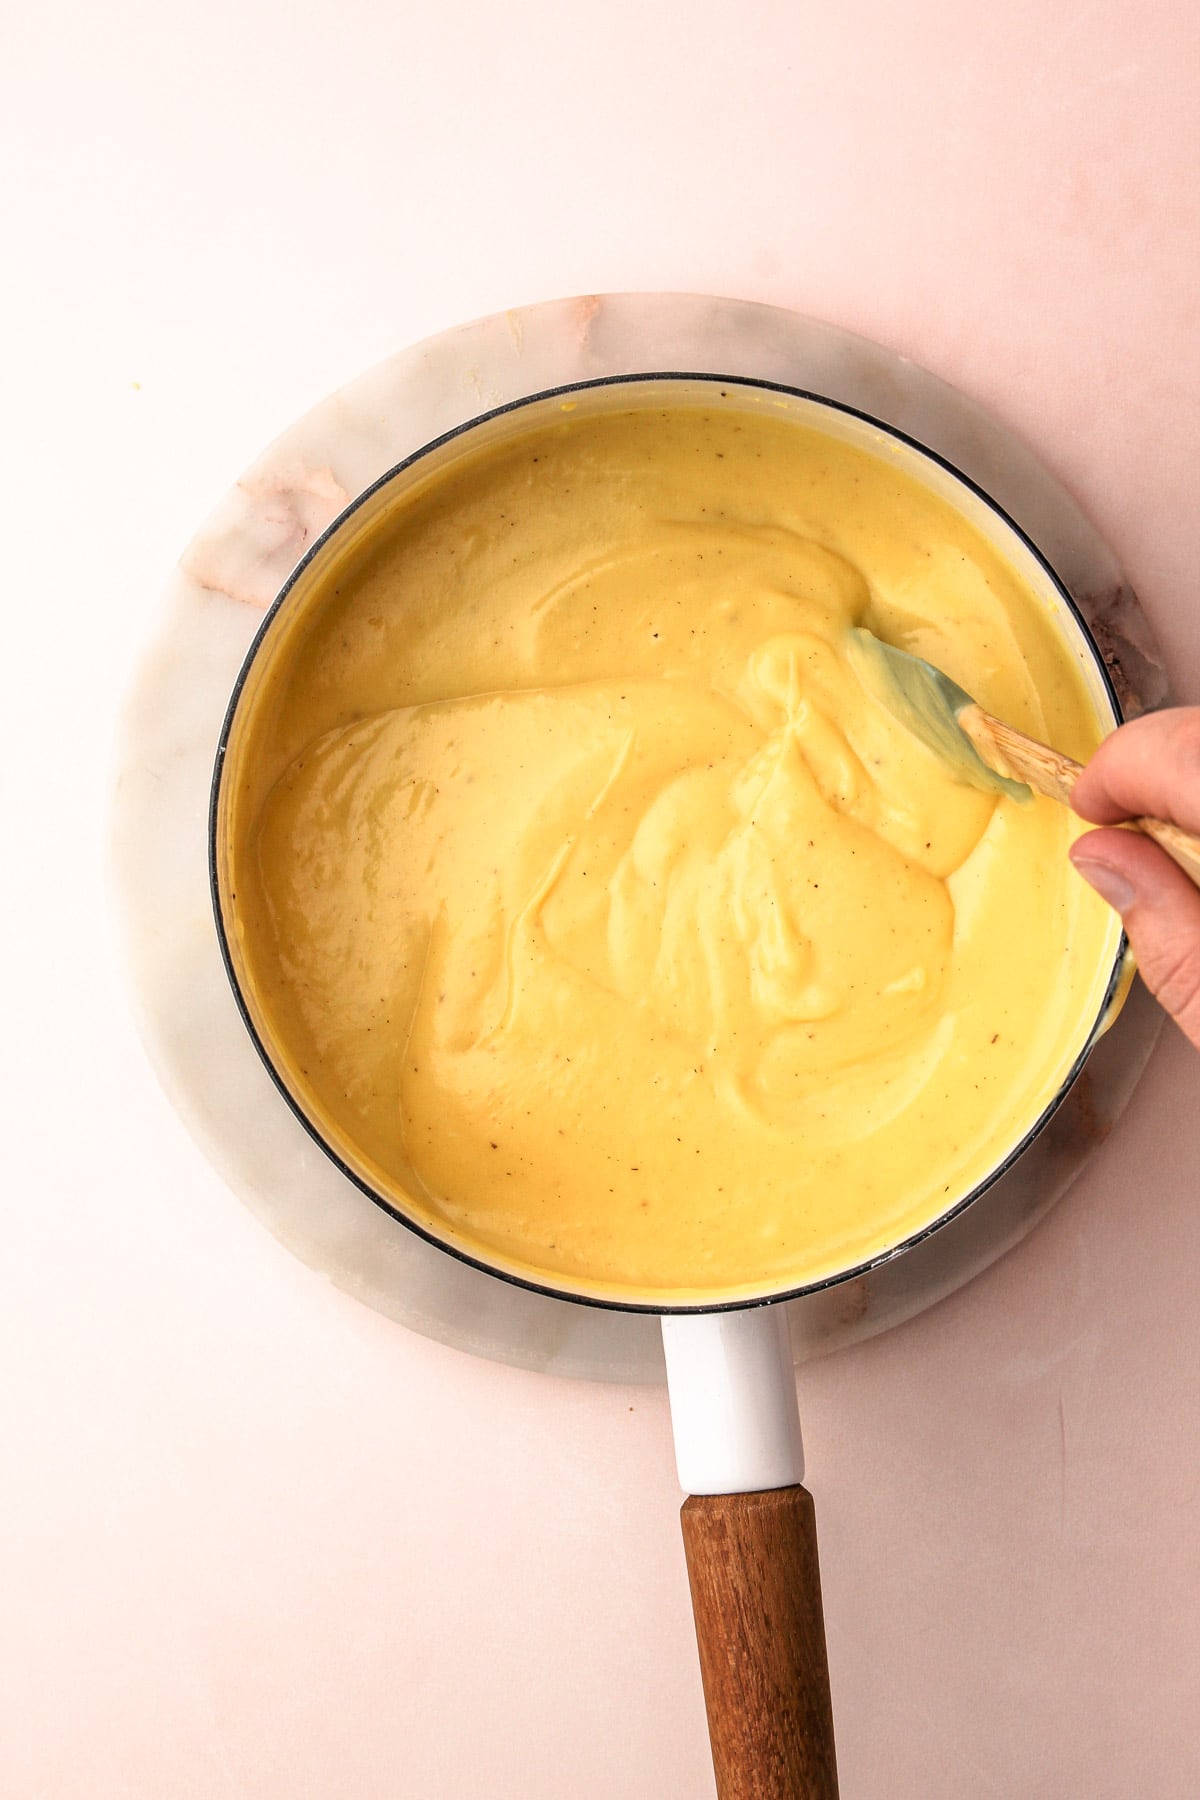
[{"x": 982, "y": 750}]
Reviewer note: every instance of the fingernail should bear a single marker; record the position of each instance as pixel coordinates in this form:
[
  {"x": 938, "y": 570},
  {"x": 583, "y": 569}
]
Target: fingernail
[{"x": 1108, "y": 884}]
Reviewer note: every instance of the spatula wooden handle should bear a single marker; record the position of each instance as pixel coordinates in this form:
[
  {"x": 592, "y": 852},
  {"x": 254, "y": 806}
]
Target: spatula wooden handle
[
  {"x": 1022, "y": 758},
  {"x": 756, "y": 1597}
]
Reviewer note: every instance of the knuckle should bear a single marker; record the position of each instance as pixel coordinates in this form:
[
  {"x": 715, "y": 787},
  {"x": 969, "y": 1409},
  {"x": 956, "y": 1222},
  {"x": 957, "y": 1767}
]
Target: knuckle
[
  {"x": 1172, "y": 973},
  {"x": 1187, "y": 741}
]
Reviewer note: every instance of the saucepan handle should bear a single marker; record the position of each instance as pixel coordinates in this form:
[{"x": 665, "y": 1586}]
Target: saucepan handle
[{"x": 749, "y": 1533}]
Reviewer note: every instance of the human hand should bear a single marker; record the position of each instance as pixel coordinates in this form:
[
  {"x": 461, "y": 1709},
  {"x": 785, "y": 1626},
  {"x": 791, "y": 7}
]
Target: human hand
[{"x": 1150, "y": 766}]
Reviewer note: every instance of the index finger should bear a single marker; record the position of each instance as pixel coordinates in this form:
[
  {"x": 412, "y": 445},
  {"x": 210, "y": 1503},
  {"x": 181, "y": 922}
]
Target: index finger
[{"x": 1150, "y": 766}]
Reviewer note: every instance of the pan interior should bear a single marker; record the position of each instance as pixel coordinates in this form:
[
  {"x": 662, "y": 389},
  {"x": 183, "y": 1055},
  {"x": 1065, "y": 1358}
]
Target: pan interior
[{"x": 585, "y": 904}]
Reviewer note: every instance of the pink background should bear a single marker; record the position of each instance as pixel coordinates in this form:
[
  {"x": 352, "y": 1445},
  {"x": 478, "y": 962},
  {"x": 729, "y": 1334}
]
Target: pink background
[{"x": 257, "y": 1541}]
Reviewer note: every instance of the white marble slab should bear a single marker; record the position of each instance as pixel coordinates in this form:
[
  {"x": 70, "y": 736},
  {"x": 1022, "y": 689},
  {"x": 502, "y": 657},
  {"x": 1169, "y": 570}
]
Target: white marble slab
[{"x": 230, "y": 573}]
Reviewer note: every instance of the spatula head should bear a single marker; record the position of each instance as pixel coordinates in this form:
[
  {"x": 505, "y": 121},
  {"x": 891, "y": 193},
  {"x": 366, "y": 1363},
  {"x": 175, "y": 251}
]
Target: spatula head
[{"x": 928, "y": 703}]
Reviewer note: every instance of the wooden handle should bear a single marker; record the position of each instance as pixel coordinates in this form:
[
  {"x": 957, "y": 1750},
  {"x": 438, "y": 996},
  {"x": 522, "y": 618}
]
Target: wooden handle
[
  {"x": 1022, "y": 758},
  {"x": 756, "y": 1597}
]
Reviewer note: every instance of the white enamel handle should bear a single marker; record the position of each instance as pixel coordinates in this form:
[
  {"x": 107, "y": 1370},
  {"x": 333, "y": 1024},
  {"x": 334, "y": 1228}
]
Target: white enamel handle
[{"x": 749, "y": 1532}]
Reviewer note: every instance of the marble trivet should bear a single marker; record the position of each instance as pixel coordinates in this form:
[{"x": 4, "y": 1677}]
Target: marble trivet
[{"x": 228, "y": 576}]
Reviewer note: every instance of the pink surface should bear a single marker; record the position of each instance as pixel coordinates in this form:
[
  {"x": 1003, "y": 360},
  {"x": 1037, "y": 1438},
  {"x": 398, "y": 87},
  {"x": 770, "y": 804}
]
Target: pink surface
[{"x": 257, "y": 1541}]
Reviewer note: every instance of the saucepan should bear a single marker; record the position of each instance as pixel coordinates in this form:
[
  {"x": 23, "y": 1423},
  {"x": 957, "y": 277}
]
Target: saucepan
[{"x": 748, "y": 1525}]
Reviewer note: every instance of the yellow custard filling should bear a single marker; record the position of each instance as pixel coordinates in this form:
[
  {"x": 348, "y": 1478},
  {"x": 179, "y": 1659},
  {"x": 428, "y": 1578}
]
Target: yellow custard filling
[{"x": 598, "y": 914}]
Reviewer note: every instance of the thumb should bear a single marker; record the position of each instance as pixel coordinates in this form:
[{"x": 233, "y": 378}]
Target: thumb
[{"x": 1160, "y": 910}]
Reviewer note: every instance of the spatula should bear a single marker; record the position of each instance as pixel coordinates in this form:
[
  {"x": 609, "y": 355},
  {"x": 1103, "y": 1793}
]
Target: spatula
[{"x": 982, "y": 750}]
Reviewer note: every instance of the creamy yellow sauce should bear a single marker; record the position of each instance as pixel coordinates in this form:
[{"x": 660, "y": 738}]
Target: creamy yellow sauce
[{"x": 596, "y": 911}]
